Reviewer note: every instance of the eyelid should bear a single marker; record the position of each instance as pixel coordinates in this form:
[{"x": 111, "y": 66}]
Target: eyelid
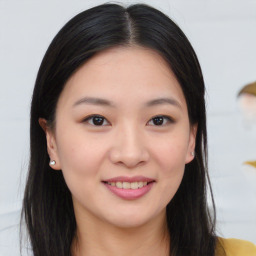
[
  {"x": 90, "y": 117},
  {"x": 86, "y": 119},
  {"x": 169, "y": 119}
]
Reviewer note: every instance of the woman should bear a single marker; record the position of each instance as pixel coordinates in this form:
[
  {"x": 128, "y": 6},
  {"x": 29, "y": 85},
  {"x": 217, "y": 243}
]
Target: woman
[{"x": 118, "y": 141}]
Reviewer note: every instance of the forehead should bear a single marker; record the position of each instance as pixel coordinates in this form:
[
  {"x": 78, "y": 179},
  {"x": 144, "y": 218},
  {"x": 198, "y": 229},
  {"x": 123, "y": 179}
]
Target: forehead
[{"x": 123, "y": 74}]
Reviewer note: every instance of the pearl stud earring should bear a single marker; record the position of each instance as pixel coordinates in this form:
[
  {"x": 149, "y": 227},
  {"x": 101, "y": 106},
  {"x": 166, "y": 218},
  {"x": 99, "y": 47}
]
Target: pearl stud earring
[
  {"x": 52, "y": 162},
  {"x": 193, "y": 153}
]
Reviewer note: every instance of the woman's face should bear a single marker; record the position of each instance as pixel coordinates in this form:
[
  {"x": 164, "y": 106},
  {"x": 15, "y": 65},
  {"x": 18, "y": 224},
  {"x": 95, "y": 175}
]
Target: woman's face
[{"x": 122, "y": 137}]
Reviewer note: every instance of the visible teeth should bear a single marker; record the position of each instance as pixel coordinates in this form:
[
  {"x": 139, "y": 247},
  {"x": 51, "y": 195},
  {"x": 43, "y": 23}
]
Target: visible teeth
[
  {"x": 119, "y": 184},
  {"x": 134, "y": 185},
  {"x": 128, "y": 185},
  {"x": 140, "y": 184}
]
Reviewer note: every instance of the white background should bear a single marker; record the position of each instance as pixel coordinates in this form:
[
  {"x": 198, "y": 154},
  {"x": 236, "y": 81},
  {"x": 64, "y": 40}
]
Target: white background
[{"x": 223, "y": 34}]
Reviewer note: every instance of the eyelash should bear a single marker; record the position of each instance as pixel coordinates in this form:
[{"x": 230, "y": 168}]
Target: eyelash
[
  {"x": 87, "y": 119},
  {"x": 167, "y": 119}
]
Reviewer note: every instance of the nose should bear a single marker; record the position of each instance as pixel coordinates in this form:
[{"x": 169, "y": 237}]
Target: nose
[{"x": 128, "y": 148}]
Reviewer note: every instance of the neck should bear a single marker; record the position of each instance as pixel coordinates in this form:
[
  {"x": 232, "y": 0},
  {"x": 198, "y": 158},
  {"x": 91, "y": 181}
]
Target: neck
[{"x": 98, "y": 238}]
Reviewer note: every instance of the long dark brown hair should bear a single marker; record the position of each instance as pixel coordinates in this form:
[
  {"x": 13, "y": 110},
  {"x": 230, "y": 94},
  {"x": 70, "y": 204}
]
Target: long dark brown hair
[{"x": 47, "y": 207}]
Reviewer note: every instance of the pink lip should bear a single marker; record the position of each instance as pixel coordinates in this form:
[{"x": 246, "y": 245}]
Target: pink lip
[
  {"x": 129, "y": 194},
  {"x": 129, "y": 179}
]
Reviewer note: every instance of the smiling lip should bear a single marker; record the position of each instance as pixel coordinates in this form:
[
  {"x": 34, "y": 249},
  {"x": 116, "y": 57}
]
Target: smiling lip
[
  {"x": 129, "y": 194},
  {"x": 129, "y": 179}
]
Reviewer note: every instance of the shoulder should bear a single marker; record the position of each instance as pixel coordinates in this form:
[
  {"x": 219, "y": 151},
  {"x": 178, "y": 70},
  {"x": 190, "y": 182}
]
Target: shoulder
[{"x": 237, "y": 247}]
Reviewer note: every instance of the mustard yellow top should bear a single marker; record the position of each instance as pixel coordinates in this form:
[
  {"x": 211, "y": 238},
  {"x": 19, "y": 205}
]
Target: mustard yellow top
[{"x": 236, "y": 247}]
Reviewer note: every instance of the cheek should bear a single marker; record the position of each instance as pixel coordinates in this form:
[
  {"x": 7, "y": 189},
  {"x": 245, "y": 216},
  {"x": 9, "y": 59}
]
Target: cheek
[
  {"x": 81, "y": 162},
  {"x": 80, "y": 157},
  {"x": 171, "y": 156}
]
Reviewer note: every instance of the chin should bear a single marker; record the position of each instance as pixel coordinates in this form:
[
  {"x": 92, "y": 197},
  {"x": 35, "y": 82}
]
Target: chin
[{"x": 132, "y": 220}]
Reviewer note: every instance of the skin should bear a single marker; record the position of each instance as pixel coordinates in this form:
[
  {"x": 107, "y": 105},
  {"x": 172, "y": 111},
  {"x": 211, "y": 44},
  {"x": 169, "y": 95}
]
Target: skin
[{"x": 129, "y": 143}]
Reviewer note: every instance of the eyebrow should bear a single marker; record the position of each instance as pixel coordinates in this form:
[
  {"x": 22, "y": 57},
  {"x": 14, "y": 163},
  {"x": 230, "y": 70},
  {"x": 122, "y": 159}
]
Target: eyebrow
[
  {"x": 161, "y": 101},
  {"x": 105, "y": 102},
  {"x": 94, "y": 101}
]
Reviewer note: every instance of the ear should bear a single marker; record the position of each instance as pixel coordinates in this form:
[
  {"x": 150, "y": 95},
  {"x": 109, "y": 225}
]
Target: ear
[
  {"x": 51, "y": 144},
  {"x": 191, "y": 144}
]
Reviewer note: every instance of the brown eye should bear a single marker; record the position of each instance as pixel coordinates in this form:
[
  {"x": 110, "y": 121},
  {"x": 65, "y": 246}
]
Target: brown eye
[
  {"x": 160, "y": 120},
  {"x": 96, "y": 120}
]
